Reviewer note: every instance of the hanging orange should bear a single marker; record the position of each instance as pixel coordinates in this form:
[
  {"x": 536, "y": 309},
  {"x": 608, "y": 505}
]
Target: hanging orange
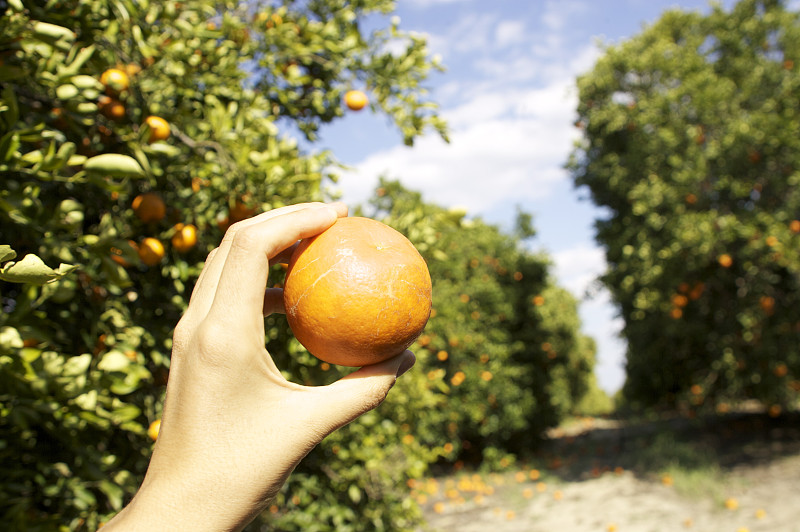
[
  {"x": 149, "y": 207},
  {"x": 358, "y": 293},
  {"x": 185, "y": 237},
  {"x": 151, "y": 251},
  {"x": 159, "y": 128},
  {"x": 115, "y": 80},
  {"x": 154, "y": 429},
  {"x": 355, "y": 100}
]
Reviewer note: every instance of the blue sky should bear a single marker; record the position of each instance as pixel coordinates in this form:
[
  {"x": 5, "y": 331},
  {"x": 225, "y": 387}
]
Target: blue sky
[{"x": 508, "y": 95}]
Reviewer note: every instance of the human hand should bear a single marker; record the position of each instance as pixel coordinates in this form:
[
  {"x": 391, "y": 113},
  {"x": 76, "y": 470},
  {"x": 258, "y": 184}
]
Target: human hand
[{"x": 233, "y": 428}]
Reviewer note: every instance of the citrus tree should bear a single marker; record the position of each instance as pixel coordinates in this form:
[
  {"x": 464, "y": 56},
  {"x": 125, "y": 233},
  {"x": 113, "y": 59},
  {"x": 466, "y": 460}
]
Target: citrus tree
[
  {"x": 503, "y": 348},
  {"x": 690, "y": 144},
  {"x": 132, "y": 134}
]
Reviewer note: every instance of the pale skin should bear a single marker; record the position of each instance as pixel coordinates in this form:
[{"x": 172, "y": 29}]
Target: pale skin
[{"x": 233, "y": 428}]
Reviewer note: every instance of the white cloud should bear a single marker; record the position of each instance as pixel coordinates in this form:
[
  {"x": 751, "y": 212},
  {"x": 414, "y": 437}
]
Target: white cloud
[
  {"x": 510, "y": 110},
  {"x": 578, "y": 267},
  {"x": 470, "y": 33},
  {"x": 509, "y": 32},
  {"x": 557, "y": 14},
  {"x": 504, "y": 145},
  {"x": 428, "y": 3}
]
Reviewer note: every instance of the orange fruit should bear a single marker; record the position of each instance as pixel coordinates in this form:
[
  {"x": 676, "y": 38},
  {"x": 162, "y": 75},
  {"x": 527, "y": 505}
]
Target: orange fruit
[
  {"x": 185, "y": 237},
  {"x": 274, "y": 20},
  {"x": 680, "y": 300},
  {"x": 149, "y": 207},
  {"x": 151, "y": 251},
  {"x": 112, "y": 108},
  {"x": 731, "y": 503},
  {"x": 355, "y": 100},
  {"x": 154, "y": 429},
  {"x": 725, "y": 260},
  {"x": 358, "y": 293},
  {"x": 159, "y": 128},
  {"x": 115, "y": 80},
  {"x": 132, "y": 69}
]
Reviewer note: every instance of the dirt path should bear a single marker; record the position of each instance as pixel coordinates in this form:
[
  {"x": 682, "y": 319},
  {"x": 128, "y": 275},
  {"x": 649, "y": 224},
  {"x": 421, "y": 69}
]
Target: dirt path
[{"x": 752, "y": 485}]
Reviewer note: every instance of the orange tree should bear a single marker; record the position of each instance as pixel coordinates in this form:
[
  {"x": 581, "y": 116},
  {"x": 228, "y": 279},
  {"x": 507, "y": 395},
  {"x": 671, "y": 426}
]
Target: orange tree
[
  {"x": 132, "y": 133},
  {"x": 691, "y": 144},
  {"x": 503, "y": 348}
]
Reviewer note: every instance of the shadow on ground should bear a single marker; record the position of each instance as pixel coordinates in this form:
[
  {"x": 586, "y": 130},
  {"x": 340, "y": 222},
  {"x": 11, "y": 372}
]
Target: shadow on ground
[{"x": 595, "y": 446}]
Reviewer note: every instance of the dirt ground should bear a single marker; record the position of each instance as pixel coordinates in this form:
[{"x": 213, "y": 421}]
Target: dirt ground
[{"x": 737, "y": 473}]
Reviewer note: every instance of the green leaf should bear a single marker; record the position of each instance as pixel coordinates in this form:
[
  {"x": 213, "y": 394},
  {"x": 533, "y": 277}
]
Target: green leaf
[
  {"x": 125, "y": 413},
  {"x": 9, "y": 144},
  {"x": 113, "y": 361},
  {"x": 6, "y": 253},
  {"x": 32, "y": 270},
  {"x": 354, "y": 493},
  {"x": 67, "y": 91},
  {"x": 53, "y": 34},
  {"x": 113, "y": 492},
  {"x": 77, "y": 365},
  {"x": 10, "y": 338},
  {"x": 114, "y": 164}
]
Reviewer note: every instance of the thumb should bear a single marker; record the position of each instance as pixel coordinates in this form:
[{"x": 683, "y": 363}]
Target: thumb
[{"x": 361, "y": 391}]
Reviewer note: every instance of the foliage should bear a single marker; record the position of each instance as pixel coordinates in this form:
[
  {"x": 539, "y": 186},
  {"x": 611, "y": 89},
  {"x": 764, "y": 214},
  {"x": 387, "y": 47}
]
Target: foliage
[
  {"x": 691, "y": 145},
  {"x": 89, "y": 297},
  {"x": 84, "y": 347},
  {"x": 502, "y": 348}
]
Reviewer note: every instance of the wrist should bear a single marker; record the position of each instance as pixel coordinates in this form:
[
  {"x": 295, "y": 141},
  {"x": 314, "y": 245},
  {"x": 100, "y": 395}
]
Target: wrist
[{"x": 171, "y": 506}]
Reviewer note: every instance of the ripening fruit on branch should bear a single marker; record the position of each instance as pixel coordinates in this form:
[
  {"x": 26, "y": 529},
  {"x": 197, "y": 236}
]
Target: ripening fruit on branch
[
  {"x": 358, "y": 293},
  {"x": 185, "y": 237},
  {"x": 115, "y": 80},
  {"x": 355, "y": 100},
  {"x": 149, "y": 207},
  {"x": 725, "y": 260},
  {"x": 111, "y": 107},
  {"x": 154, "y": 429},
  {"x": 151, "y": 251},
  {"x": 159, "y": 128},
  {"x": 767, "y": 304}
]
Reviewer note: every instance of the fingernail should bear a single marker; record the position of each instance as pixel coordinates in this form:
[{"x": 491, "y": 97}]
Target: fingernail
[{"x": 408, "y": 362}]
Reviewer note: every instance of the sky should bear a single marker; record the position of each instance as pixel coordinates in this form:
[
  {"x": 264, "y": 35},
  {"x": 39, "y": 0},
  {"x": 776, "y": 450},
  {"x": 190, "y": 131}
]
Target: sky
[{"x": 508, "y": 94}]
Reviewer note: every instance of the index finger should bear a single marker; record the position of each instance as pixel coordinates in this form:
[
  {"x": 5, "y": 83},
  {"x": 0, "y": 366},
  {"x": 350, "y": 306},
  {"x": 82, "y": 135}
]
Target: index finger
[{"x": 239, "y": 296}]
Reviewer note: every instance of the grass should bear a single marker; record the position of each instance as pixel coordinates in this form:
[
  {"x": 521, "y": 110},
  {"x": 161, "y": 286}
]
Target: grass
[{"x": 691, "y": 466}]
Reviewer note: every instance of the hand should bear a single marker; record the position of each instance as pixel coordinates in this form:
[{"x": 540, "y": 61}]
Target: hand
[{"x": 233, "y": 428}]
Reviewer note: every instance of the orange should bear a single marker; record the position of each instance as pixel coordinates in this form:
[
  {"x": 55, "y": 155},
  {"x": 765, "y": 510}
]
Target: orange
[
  {"x": 115, "y": 80},
  {"x": 358, "y": 293},
  {"x": 185, "y": 237},
  {"x": 154, "y": 429},
  {"x": 112, "y": 108},
  {"x": 149, "y": 207},
  {"x": 132, "y": 69},
  {"x": 355, "y": 100},
  {"x": 274, "y": 20},
  {"x": 725, "y": 260},
  {"x": 159, "y": 128},
  {"x": 151, "y": 251}
]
